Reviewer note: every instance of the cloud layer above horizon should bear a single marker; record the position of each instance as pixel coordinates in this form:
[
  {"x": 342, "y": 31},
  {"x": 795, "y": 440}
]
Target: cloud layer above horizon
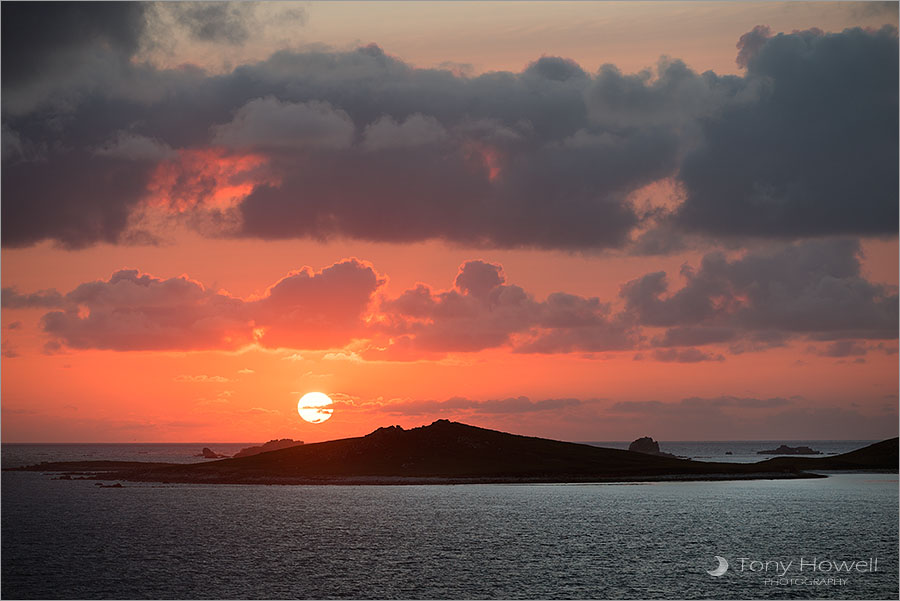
[
  {"x": 812, "y": 291},
  {"x": 99, "y": 147}
]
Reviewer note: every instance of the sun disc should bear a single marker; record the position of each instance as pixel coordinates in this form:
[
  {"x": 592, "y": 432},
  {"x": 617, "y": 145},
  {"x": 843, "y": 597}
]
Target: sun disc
[{"x": 315, "y": 407}]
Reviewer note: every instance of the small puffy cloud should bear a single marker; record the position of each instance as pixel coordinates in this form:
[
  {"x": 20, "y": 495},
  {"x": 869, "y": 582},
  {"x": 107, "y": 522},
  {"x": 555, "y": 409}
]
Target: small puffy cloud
[
  {"x": 686, "y": 355},
  {"x": 246, "y": 371},
  {"x": 201, "y": 378},
  {"x": 260, "y": 411},
  {"x": 478, "y": 279},
  {"x": 309, "y": 309},
  {"x": 42, "y": 299},
  {"x": 841, "y": 348}
]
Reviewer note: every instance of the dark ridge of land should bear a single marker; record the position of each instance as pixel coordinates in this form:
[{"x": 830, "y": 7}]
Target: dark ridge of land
[
  {"x": 272, "y": 445},
  {"x": 450, "y": 453},
  {"x": 879, "y": 456},
  {"x": 786, "y": 450}
]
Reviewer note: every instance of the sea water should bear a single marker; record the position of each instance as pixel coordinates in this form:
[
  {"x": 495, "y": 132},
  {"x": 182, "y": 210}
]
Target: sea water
[{"x": 72, "y": 539}]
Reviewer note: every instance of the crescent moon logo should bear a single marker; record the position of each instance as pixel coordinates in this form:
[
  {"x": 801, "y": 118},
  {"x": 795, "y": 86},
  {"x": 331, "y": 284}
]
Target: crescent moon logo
[{"x": 723, "y": 567}]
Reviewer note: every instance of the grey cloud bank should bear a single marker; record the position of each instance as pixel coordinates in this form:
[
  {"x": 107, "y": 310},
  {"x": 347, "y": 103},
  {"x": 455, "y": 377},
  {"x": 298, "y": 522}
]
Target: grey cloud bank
[{"x": 360, "y": 144}]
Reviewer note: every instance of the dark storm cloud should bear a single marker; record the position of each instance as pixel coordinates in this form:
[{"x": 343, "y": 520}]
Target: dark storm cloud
[
  {"x": 815, "y": 154},
  {"x": 48, "y": 37},
  {"x": 363, "y": 145},
  {"x": 499, "y": 160},
  {"x": 87, "y": 198},
  {"x": 814, "y": 288},
  {"x": 842, "y": 348}
]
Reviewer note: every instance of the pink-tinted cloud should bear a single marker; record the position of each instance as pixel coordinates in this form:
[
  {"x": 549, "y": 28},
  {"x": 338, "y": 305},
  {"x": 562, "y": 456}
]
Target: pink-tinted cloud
[
  {"x": 482, "y": 311},
  {"x": 812, "y": 291},
  {"x": 135, "y": 311},
  {"x": 308, "y": 309}
]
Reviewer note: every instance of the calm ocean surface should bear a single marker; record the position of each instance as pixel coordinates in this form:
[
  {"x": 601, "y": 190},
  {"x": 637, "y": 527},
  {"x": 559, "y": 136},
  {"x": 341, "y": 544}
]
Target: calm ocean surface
[{"x": 71, "y": 539}]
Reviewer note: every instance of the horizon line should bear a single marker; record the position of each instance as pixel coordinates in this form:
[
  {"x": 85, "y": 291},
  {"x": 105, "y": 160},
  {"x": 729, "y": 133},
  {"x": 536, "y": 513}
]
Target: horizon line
[{"x": 528, "y": 436}]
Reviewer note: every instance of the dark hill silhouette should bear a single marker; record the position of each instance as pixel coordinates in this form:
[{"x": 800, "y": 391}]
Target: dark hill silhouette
[
  {"x": 786, "y": 450},
  {"x": 453, "y": 452},
  {"x": 881, "y": 455},
  {"x": 272, "y": 445}
]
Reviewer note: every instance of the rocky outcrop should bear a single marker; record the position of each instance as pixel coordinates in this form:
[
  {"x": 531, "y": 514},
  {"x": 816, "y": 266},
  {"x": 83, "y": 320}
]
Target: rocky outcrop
[
  {"x": 647, "y": 445},
  {"x": 208, "y": 453},
  {"x": 786, "y": 450},
  {"x": 644, "y": 444},
  {"x": 272, "y": 445}
]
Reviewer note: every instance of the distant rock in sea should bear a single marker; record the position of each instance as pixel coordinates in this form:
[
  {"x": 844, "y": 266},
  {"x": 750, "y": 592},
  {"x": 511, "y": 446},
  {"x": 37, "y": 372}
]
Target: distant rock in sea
[
  {"x": 208, "y": 453},
  {"x": 648, "y": 446},
  {"x": 786, "y": 450},
  {"x": 272, "y": 445}
]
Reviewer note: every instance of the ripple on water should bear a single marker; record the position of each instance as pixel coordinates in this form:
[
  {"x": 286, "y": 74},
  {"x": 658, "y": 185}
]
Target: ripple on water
[{"x": 71, "y": 539}]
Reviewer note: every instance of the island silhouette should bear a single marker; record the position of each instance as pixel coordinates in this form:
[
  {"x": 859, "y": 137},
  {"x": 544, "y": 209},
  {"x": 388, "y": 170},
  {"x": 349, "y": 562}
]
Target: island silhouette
[{"x": 448, "y": 452}]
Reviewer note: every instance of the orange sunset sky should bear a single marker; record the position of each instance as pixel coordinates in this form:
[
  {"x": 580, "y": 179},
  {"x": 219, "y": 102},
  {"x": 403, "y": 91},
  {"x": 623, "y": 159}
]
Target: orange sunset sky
[{"x": 583, "y": 221}]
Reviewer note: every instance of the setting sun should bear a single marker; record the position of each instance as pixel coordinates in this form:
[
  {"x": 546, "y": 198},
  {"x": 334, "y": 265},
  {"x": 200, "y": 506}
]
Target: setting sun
[{"x": 315, "y": 407}]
